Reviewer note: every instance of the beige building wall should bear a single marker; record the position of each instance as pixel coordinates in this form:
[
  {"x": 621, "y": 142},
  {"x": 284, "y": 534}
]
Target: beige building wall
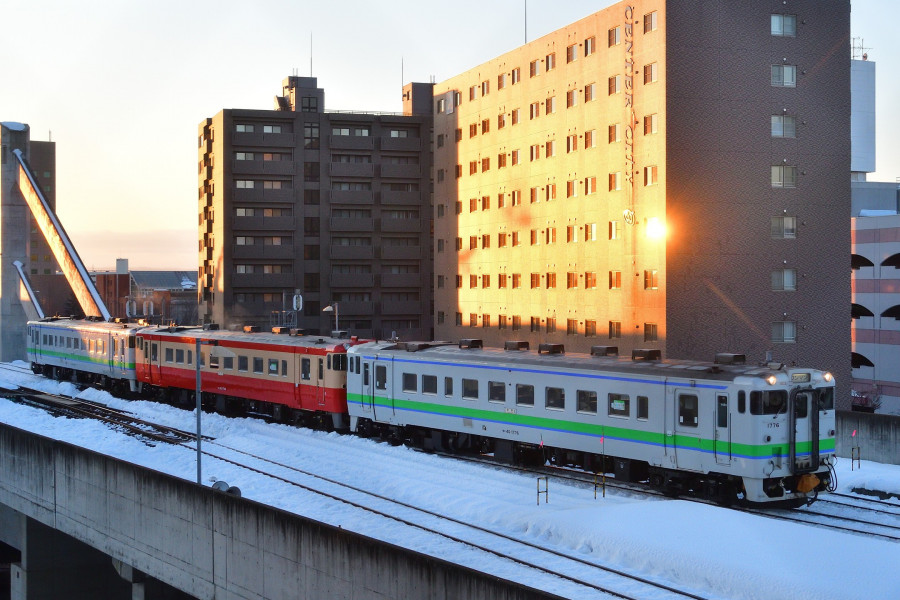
[{"x": 546, "y": 183}]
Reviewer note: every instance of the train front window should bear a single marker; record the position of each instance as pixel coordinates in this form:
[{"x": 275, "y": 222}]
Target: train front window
[
  {"x": 826, "y": 399},
  {"x": 770, "y": 402},
  {"x": 339, "y": 362},
  {"x": 801, "y": 405}
]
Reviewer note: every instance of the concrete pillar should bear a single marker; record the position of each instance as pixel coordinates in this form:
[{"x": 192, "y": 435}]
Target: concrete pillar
[{"x": 13, "y": 241}]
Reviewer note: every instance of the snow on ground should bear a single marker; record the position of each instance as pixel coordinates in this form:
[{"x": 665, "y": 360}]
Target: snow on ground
[{"x": 714, "y": 552}]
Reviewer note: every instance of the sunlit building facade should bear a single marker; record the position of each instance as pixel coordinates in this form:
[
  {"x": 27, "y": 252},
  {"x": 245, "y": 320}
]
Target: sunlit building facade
[{"x": 667, "y": 175}]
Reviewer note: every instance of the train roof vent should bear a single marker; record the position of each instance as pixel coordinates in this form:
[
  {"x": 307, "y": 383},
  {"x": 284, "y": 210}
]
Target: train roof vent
[
  {"x": 471, "y": 343},
  {"x": 281, "y": 330},
  {"x": 515, "y": 345},
  {"x": 415, "y": 346},
  {"x": 727, "y": 358},
  {"x": 296, "y": 332},
  {"x": 210, "y": 327},
  {"x": 604, "y": 350},
  {"x": 551, "y": 348},
  {"x": 251, "y": 328},
  {"x": 646, "y": 354}
]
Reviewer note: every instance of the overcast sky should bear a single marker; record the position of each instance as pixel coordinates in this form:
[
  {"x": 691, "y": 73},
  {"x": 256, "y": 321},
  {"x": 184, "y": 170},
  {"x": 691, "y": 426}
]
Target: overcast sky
[{"x": 121, "y": 87}]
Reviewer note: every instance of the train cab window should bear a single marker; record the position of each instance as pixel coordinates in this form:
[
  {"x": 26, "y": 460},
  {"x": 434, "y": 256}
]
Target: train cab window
[
  {"x": 242, "y": 363},
  {"x": 770, "y": 402},
  {"x": 801, "y": 405},
  {"x": 228, "y": 363},
  {"x": 257, "y": 364},
  {"x": 356, "y": 364},
  {"x": 304, "y": 369},
  {"x": 179, "y": 356},
  {"x": 68, "y": 342},
  {"x": 284, "y": 368},
  {"x": 688, "y": 409},
  {"x": 826, "y": 399},
  {"x": 132, "y": 342},
  {"x": 429, "y": 384},
  {"x": 586, "y": 401},
  {"x": 496, "y": 391},
  {"x": 448, "y": 386},
  {"x": 380, "y": 377},
  {"x": 273, "y": 366},
  {"x": 643, "y": 408},
  {"x": 742, "y": 401},
  {"x": 100, "y": 346},
  {"x": 555, "y": 398},
  {"x": 139, "y": 341},
  {"x": 410, "y": 382},
  {"x": 524, "y": 394},
  {"x": 470, "y": 389},
  {"x": 338, "y": 362},
  {"x": 619, "y": 405},
  {"x": 170, "y": 353}
]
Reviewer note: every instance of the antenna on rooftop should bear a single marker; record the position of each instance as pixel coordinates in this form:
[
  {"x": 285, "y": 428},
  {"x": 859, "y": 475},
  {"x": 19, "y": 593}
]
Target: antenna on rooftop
[
  {"x": 310, "y": 54},
  {"x": 525, "y": 2},
  {"x": 402, "y": 79}
]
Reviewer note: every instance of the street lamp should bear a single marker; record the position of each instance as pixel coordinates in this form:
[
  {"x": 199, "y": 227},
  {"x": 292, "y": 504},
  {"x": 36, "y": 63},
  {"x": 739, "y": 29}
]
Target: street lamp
[
  {"x": 333, "y": 307},
  {"x": 199, "y": 393}
]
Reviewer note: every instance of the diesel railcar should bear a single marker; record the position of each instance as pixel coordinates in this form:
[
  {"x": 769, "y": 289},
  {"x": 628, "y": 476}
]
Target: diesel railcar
[{"x": 731, "y": 432}]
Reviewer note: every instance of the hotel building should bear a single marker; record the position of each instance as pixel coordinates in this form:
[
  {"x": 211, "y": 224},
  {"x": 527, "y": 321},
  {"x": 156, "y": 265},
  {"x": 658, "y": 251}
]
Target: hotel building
[{"x": 661, "y": 174}]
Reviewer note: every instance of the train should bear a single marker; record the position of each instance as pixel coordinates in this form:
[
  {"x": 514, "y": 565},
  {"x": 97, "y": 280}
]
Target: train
[{"x": 724, "y": 430}]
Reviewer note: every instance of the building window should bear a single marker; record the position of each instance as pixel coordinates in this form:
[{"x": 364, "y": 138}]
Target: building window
[
  {"x": 571, "y": 188},
  {"x": 571, "y": 98},
  {"x": 516, "y": 281},
  {"x": 551, "y": 281},
  {"x": 571, "y": 53},
  {"x": 550, "y": 192},
  {"x": 650, "y": 124},
  {"x": 551, "y": 325},
  {"x": 550, "y": 105},
  {"x": 784, "y": 176},
  {"x": 615, "y": 230},
  {"x": 571, "y": 280},
  {"x": 550, "y": 62},
  {"x": 516, "y": 201},
  {"x": 271, "y": 128},
  {"x": 784, "y": 280},
  {"x": 589, "y": 46},
  {"x": 571, "y": 327},
  {"x": 615, "y": 181},
  {"x": 784, "y": 25},
  {"x": 485, "y": 87},
  {"x": 784, "y": 332},
  {"x": 615, "y": 280},
  {"x": 615, "y": 84},
  {"x": 614, "y": 37},
  {"x": 534, "y": 152},
  {"x": 590, "y": 280},
  {"x": 650, "y": 332},
  {"x": 516, "y": 76},
  {"x": 589, "y": 92},
  {"x": 501, "y": 121},
  {"x": 534, "y": 194},
  {"x": 473, "y": 92},
  {"x": 650, "y": 175},
  {"x": 589, "y": 138},
  {"x": 516, "y": 323},
  {"x": 441, "y": 107},
  {"x": 501, "y": 160},
  {"x": 784, "y": 126},
  {"x": 535, "y": 324},
  {"x": 784, "y": 75},
  {"x": 243, "y": 156},
  {"x": 650, "y": 22},
  {"x": 535, "y": 280},
  {"x": 534, "y": 68},
  {"x": 501, "y": 81},
  {"x": 615, "y": 133},
  {"x": 784, "y": 227},
  {"x": 590, "y": 185},
  {"x": 615, "y": 330},
  {"x": 515, "y": 157},
  {"x": 243, "y": 128},
  {"x": 650, "y": 73},
  {"x": 651, "y": 279},
  {"x": 502, "y": 280},
  {"x": 549, "y": 149},
  {"x": 245, "y": 184},
  {"x": 571, "y": 143},
  {"x": 590, "y": 232},
  {"x": 515, "y": 116}
]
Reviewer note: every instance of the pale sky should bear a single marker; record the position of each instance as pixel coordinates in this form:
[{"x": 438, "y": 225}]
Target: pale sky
[{"x": 121, "y": 87}]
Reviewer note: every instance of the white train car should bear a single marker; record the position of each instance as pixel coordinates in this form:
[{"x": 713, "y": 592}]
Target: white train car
[
  {"x": 85, "y": 351},
  {"x": 725, "y": 431}
]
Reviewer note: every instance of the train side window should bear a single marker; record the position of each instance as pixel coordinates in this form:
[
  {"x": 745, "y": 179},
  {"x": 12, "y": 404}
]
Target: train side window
[
  {"x": 409, "y": 382},
  {"x": 742, "y": 401},
  {"x": 284, "y": 368},
  {"x": 339, "y": 362},
  {"x": 470, "y": 389},
  {"x": 380, "y": 377},
  {"x": 643, "y": 409},
  {"x": 100, "y": 346},
  {"x": 555, "y": 398},
  {"x": 304, "y": 369},
  {"x": 721, "y": 411},
  {"x": 619, "y": 405},
  {"x": 586, "y": 401},
  {"x": 496, "y": 391},
  {"x": 257, "y": 364},
  {"x": 170, "y": 354},
  {"x": 139, "y": 341},
  {"x": 321, "y": 369},
  {"x": 154, "y": 349},
  {"x": 213, "y": 361},
  {"x": 68, "y": 342},
  {"x": 356, "y": 364},
  {"x": 366, "y": 374},
  {"x": 190, "y": 359},
  {"x": 132, "y": 342},
  {"x": 429, "y": 384},
  {"x": 524, "y": 394},
  {"x": 826, "y": 399},
  {"x": 228, "y": 363},
  {"x": 242, "y": 363},
  {"x": 273, "y": 366},
  {"x": 448, "y": 386},
  {"x": 179, "y": 356},
  {"x": 688, "y": 408}
]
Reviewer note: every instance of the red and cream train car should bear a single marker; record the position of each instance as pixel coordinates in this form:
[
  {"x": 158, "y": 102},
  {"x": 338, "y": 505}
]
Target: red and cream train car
[{"x": 292, "y": 378}]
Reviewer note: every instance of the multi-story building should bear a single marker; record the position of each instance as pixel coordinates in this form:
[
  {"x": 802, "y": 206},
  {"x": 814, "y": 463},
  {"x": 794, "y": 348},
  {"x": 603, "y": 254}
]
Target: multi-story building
[
  {"x": 661, "y": 174},
  {"x": 331, "y": 207}
]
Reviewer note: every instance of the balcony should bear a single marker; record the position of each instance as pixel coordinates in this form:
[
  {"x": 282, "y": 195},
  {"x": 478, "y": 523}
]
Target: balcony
[
  {"x": 270, "y": 140},
  {"x": 401, "y": 225},
  {"x": 404, "y": 198},
  {"x": 258, "y": 251},
  {"x": 401, "y": 252},
  {"x": 401, "y": 144},
  {"x": 262, "y": 280},
  {"x": 351, "y": 197},
  {"x": 355, "y": 308},
  {"x": 397, "y": 280},
  {"x": 260, "y": 195},
  {"x": 339, "y": 169},
  {"x": 363, "y": 224},
  {"x": 264, "y": 223},
  {"x": 351, "y": 253},
  {"x": 404, "y": 307},
  {"x": 351, "y": 280},
  {"x": 351, "y": 142},
  {"x": 401, "y": 171},
  {"x": 262, "y": 167}
]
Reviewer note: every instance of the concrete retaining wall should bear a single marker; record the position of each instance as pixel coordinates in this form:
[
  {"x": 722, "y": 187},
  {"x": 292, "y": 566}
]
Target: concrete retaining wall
[
  {"x": 877, "y": 436},
  {"x": 212, "y": 545}
]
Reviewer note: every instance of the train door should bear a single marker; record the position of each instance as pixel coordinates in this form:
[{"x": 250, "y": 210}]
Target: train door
[
  {"x": 320, "y": 380},
  {"x": 722, "y": 442},
  {"x": 382, "y": 379},
  {"x": 687, "y": 428},
  {"x": 151, "y": 360},
  {"x": 367, "y": 387},
  {"x": 803, "y": 431}
]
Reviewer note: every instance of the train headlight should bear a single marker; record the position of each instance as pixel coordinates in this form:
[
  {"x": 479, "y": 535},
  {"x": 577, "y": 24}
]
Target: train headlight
[
  {"x": 771, "y": 379},
  {"x": 827, "y": 376}
]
